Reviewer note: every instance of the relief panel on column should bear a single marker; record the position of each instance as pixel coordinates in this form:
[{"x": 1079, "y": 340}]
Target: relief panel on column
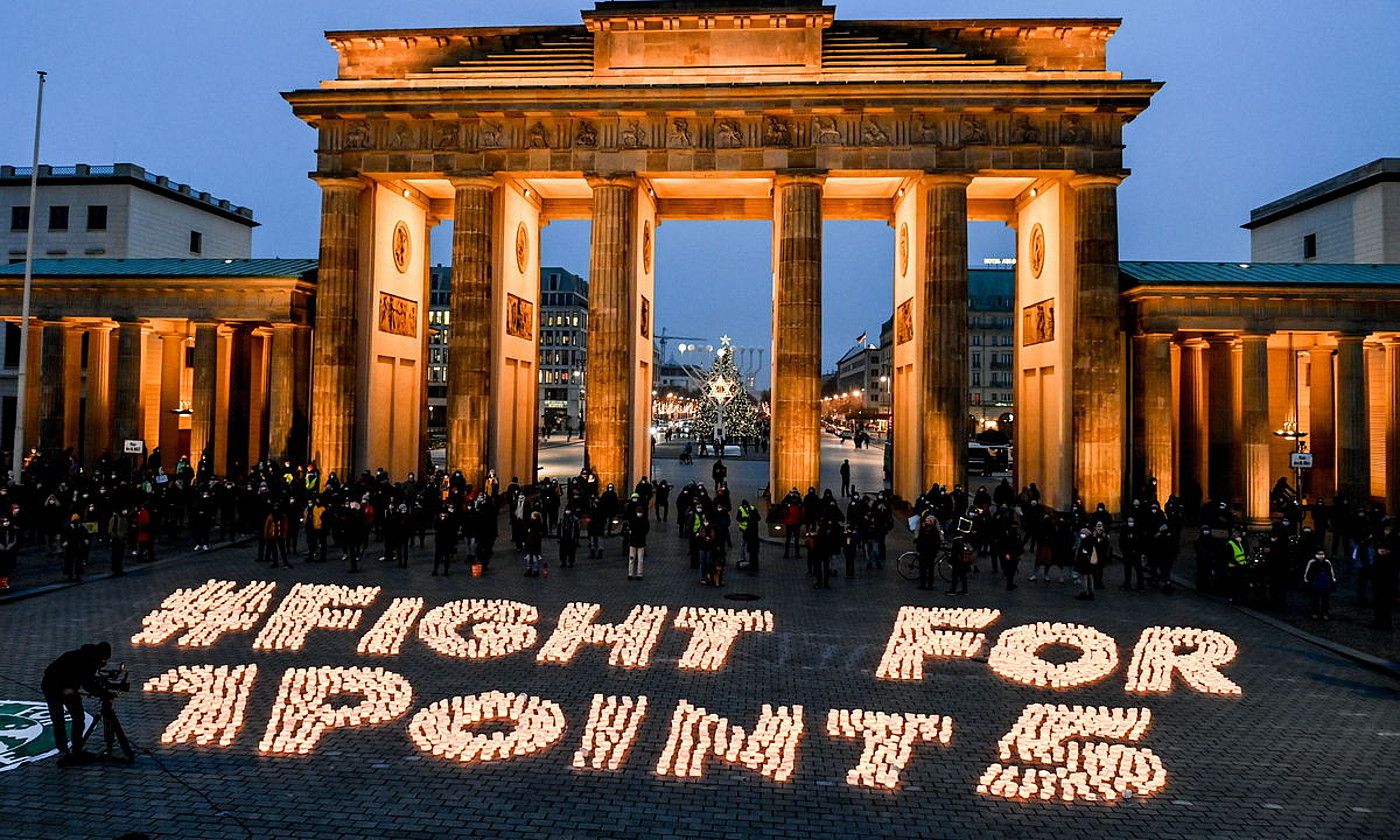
[
  {"x": 393, "y": 328},
  {"x": 1044, "y": 301},
  {"x": 516, "y": 316},
  {"x": 643, "y": 301},
  {"x": 908, "y": 401}
]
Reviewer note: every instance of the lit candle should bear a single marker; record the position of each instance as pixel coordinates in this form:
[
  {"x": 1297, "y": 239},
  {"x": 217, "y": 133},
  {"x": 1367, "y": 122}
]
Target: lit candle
[{"x": 206, "y": 613}]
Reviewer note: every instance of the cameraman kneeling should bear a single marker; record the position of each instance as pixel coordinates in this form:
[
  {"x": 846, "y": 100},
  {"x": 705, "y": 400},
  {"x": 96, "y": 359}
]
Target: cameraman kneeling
[{"x": 65, "y": 675}]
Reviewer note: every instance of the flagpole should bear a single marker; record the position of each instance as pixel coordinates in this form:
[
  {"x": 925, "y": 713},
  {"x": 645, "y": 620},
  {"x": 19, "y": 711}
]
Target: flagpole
[{"x": 21, "y": 385}]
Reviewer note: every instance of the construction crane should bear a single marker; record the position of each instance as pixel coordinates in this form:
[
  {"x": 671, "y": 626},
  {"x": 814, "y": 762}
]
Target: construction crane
[{"x": 663, "y": 338}]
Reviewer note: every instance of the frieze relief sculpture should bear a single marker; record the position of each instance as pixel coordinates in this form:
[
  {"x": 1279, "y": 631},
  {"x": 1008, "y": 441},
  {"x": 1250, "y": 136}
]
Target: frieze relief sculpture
[
  {"x": 633, "y": 136},
  {"x": 357, "y": 137},
  {"x": 828, "y": 132},
  {"x": 778, "y": 133},
  {"x": 586, "y": 136},
  {"x": 1026, "y": 132},
  {"x": 447, "y": 138},
  {"x": 873, "y": 135},
  {"x": 538, "y": 137},
  {"x": 926, "y": 131},
  {"x": 728, "y": 135},
  {"x": 1073, "y": 133},
  {"x": 402, "y": 138},
  {"x": 974, "y": 131},
  {"x": 490, "y": 136},
  {"x": 680, "y": 136}
]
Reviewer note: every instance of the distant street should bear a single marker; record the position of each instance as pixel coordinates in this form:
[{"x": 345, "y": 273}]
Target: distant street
[{"x": 747, "y": 476}]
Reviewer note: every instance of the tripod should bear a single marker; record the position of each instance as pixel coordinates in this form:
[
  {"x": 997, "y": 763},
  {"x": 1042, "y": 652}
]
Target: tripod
[{"x": 111, "y": 731}]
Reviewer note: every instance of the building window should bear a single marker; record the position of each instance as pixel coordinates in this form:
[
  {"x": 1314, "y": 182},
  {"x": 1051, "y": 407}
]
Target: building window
[
  {"x": 19, "y": 218},
  {"x": 58, "y": 217},
  {"x": 196, "y": 242},
  {"x": 1310, "y": 246},
  {"x": 97, "y": 217}
]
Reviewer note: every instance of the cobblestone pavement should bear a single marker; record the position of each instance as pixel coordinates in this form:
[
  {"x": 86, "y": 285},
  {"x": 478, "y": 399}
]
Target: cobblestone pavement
[{"x": 1309, "y": 750}]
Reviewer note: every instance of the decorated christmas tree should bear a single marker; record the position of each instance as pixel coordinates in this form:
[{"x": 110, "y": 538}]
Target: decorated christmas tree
[{"x": 726, "y": 407}]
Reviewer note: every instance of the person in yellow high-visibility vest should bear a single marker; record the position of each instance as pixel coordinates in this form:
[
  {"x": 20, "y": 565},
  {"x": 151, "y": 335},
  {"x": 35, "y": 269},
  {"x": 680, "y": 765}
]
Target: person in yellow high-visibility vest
[{"x": 1238, "y": 566}]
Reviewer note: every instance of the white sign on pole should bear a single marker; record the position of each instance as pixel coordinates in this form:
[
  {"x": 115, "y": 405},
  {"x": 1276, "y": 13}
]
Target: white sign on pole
[
  {"x": 134, "y": 447},
  {"x": 1300, "y": 460}
]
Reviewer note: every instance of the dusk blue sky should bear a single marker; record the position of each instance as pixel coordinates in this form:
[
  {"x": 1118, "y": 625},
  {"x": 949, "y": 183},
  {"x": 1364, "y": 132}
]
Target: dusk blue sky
[{"x": 1262, "y": 97}]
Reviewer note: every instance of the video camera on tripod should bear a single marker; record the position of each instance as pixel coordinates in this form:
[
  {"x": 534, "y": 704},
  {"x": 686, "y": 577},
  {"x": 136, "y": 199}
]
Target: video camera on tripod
[
  {"x": 109, "y": 682},
  {"x": 105, "y": 686}
]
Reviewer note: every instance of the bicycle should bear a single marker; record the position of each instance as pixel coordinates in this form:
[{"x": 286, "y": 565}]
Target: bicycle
[{"x": 908, "y": 565}]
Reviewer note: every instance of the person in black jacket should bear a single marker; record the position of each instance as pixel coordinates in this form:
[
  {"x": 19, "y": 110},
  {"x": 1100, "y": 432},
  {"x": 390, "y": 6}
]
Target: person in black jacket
[
  {"x": 636, "y": 525},
  {"x": 445, "y": 534},
  {"x": 569, "y": 532},
  {"x": 927, "y": 544},
  {"x": 76, "y": 541},
  {"x": 70, "y": 672}
]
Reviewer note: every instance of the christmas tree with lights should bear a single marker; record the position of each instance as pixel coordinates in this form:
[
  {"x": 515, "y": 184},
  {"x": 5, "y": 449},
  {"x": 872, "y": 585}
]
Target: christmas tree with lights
[{"x": 726, "y": 407}]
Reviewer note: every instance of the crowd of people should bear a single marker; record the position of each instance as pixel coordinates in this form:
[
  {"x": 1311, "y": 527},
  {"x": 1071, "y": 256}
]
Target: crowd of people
[{"x": 294, "y": 513}]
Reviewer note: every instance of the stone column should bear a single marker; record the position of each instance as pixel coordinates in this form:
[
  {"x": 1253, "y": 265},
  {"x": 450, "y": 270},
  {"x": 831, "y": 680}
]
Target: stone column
[
  {"x": 472, "y": 329},
  {"x": 222, "y": 431},
  {"x": 1194, "y": 417},
  {"x": 301, "y": 393},
  {"x": 1220, "y": 401},
  {"x": 1353, "y": 420},
  {"x": 611, "y": 284},
  {"x": 1154, "y": 405},
  {"x": 97, "y": 436},
  {"x": 53, "y": 374},
  {"x": 1254, "y": 426},
  {"x": 259, "y": 345},
  {"x": 202, "y": 421},
  {"x": 942, "y": 352},
  {"x": 336, "y": 355},
  {"x": 281, "y": 390},
  {"x": 73, "y": 386},
  {"x": 129, "y": 395},
  {"x": 1392, "y": 426},
  {"x": 33, "y": 384},
  {"x": 797, "y": 334},
  {"x": 1097, "y": 385},
  {"x": 1322, "y": 424},
  {"x": 172, "y": 366}
]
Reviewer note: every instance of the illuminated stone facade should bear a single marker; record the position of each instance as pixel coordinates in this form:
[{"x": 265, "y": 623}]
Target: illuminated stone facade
[
  {"x": 192, "y": 357},
  {"x": 708, "y": 110}
]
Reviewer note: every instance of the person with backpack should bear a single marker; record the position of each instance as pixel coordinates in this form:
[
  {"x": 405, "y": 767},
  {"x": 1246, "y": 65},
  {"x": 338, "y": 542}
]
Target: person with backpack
[
  {"x": 927, "y": 544},
  {"x": 534, "y": 544}
]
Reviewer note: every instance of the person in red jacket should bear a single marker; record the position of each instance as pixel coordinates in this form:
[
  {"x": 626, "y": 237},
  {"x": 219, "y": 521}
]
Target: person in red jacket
[
  {"x": 792, "y": 524},
  {"x": 145, "y": 534}
]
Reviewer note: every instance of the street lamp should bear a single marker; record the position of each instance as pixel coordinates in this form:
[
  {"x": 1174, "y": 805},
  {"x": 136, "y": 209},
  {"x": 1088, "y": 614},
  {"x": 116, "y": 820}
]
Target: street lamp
[{"x": 21, "y": 385}]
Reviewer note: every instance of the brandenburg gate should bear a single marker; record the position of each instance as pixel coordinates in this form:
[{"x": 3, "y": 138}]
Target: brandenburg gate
[{"x": 694, "y": 109}]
